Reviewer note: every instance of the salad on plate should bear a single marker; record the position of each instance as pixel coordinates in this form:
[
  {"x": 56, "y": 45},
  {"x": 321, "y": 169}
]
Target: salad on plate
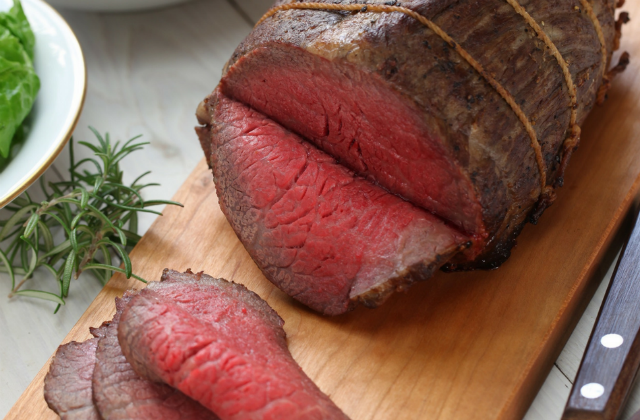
[{"x": 19, "y": 83}]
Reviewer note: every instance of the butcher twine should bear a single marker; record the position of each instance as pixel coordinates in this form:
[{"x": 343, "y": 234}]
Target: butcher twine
[
  {"x": 574, "y": 130},
  {"x": 596, "y": 24}
]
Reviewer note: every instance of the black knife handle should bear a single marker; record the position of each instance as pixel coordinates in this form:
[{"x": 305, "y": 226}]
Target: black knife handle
[{"x": 612, "y": 357}]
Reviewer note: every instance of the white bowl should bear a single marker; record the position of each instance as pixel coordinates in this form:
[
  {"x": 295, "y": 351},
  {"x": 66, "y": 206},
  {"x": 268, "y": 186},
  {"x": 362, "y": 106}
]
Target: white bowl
[
  {"x": 113, "y": 5},
  {"x": 60, "y": 65}
]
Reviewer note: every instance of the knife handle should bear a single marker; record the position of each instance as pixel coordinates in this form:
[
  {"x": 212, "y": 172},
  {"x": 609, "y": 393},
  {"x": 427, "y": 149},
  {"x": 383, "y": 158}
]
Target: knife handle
[{"x": 612, "y": 357}]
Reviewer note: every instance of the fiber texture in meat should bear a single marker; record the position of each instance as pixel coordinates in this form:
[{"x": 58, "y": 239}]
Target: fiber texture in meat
[
  {"x": 222, "y": 345},
  {"x": 391, "y": 100},
  {"x": 120, "y": 394},
  {"x": 323, "y": 235},
  {"x": 67, "y": 386}
]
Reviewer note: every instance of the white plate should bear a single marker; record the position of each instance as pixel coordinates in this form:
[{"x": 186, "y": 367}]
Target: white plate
[
  {"x": 60, "y": 66},
  {"x": 113, "y": 5}
]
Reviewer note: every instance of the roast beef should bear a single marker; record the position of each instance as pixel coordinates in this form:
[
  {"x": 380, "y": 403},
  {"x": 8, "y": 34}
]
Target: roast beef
[
  {"x": 390, "y": 99},
  {"x": 323, "y": 235},
  {"x": 220, "y": 344},
  {"x": 468, "y": 110},
  {"x": 67, "y": 386},
  {"x": 120, "y": 394}
]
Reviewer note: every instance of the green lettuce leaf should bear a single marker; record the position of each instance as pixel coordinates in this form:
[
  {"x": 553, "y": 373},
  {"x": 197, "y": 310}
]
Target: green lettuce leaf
[
  {"x": 19, "y": 86},
  {"x": 16, "y": 22},
  {"x": 11, "y": 48},
  {"x": 19, "y": 83}
]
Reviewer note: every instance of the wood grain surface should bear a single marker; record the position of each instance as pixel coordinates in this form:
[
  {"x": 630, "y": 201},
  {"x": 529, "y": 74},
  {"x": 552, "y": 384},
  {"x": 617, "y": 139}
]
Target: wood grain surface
[{"x": 472, "y": 345}]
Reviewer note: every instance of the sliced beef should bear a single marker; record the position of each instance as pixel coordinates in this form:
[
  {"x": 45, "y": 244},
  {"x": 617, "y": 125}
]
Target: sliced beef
[
  {"x": 221, "y": 344},
  {"x": 120, "y": 394},
  {"x": 389, "y": 99},
  {"x": 323, "y": 235},
  {"x": 67, "y": 386}
]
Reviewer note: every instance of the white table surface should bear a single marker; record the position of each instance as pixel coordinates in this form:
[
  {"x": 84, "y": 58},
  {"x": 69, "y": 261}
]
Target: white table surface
[{"x": 147, "y": 72}]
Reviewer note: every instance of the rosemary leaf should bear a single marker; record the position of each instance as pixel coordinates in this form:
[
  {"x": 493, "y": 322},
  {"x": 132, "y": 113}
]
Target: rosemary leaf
[
  {"x": 84, "y": 199},
  {"x": 47, "y": 236},
  {"x": 31, "y": 224},
  {"x": 15, "y": 219},
  {"x": 111, "y": 268},
  {"x": 5, "y": 262},
  {"x": 40, "y": 295},
  {"x": 69, "y": 265}
]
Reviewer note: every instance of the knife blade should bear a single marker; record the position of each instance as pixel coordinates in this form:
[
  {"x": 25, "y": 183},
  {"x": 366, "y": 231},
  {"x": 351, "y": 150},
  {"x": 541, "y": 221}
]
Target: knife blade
[{"x": 611, "y": 359}]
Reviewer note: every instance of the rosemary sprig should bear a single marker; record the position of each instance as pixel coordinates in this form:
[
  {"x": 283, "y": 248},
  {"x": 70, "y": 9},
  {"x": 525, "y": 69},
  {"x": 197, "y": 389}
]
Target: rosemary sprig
[{"x": 97, "y": 213}]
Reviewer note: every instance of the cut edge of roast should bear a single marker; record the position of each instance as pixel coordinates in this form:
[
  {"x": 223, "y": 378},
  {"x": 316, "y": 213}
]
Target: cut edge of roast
[
  {"x": 376, "y": 296},
  {"x": 417, "y": 270},
  {"x": 244, "y": 80}
]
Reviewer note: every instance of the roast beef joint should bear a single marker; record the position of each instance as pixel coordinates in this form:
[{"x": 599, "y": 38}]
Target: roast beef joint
[{"x": 357, "y": 148}]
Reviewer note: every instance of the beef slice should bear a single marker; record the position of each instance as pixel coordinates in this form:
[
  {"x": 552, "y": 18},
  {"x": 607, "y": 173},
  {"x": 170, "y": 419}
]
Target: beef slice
[{"x": 222, "y": 345}]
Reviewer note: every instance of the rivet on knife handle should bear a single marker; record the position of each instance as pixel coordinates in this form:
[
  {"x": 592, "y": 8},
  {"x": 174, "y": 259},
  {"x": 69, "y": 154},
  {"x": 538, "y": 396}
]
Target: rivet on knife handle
[{"x": 613, "y": 353}]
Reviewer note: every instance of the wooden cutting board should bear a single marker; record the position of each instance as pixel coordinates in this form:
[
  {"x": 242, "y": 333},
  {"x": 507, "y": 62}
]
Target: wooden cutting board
[{"x": 474, "y": 345}]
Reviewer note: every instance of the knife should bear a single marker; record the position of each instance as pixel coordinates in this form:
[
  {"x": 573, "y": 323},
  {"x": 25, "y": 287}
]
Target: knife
[{"x": 611, "y": 360}]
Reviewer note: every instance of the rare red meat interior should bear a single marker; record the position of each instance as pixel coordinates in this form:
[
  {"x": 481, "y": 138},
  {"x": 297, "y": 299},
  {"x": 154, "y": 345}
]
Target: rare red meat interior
[
  {"x": 322, "y": 234},
  {"x": 92, "y": 380},
  {"x": 222, "y": 345},
  {"x": 119, "y": 393},
  {"x": 190, "y": 347}
]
